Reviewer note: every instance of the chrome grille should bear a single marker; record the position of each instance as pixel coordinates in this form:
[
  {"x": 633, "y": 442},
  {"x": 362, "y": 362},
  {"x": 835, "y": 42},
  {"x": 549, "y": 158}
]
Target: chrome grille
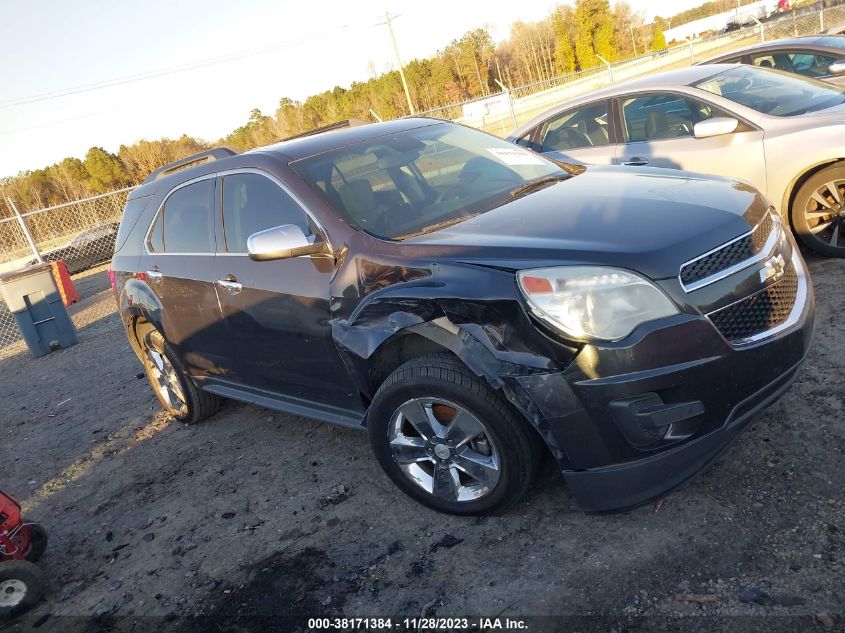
[{"x": 729, "y": 255}]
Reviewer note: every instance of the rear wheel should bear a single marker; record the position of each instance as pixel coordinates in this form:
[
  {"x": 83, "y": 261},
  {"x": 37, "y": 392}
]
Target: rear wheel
[
  {"x": 818, "y": 212},
  {"x": 37, "y": 541},
  {"x": 20, "y": 587},
  {"x": 177, "y": 393},
  {"x": 446, "y": 439}
]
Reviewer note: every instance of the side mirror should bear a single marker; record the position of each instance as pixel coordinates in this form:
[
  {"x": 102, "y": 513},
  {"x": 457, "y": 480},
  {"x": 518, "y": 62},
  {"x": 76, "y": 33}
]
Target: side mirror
[
  {"x": 282, "y": 242},
  {"x": 837, "y": 67},
  {"x": 716, "y": 126}
]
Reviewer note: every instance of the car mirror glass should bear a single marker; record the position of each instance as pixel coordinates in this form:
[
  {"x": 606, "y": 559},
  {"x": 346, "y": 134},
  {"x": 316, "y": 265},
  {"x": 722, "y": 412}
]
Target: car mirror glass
[
  {"x": 282, "y": 242},
  {"x": 716, "y": 126}
]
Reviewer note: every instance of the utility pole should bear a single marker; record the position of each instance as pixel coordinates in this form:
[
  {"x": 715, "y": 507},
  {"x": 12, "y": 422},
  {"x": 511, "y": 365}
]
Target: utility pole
[
  {"x": 387, "y": 21},
  {"x": 633, "y": 40}
]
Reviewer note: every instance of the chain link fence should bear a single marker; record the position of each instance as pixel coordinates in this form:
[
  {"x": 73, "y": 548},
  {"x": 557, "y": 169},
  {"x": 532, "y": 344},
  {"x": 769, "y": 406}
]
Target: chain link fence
[
  {"x": 501, "y": 113},
  {"x": 81, "y": 234}
]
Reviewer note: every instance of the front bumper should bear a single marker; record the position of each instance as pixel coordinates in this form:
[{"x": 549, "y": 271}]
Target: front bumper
[{"x": 703, "y": 389}]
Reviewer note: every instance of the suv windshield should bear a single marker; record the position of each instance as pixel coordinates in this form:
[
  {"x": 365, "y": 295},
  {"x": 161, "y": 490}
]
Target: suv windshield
[
  {"x": 773, "y": 92},
  {"x": 423, "y": 179}
]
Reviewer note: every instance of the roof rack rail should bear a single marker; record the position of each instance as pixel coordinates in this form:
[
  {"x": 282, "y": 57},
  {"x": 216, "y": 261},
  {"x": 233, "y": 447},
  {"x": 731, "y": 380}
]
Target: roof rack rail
[
  {"x": 327, "y": 128},
  {"x": 208, "y": 155}
]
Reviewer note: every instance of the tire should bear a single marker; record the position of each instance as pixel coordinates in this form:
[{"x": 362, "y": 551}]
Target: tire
[
  {"x": 502, "y": 458},
  {"x": 824, "y": 234},
  {"x": 21, "y": 587},
  {"x": 178, "y": 394},
  {"x": 37, "y": 542}
]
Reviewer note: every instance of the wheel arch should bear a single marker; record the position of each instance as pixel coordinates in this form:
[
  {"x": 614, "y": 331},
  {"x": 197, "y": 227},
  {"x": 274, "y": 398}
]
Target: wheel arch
[
  {"x": 796, "y": 183},
  {"x": 441, "y": 335}
]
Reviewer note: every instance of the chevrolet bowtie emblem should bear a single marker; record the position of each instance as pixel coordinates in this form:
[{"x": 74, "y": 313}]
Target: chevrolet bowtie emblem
[{"x": 773, "y": 269}]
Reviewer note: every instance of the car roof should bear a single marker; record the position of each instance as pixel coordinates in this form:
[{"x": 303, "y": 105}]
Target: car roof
[
  {"x": 305, "y": 146},
  {"x": 822, "y": 40},
  {"x": 667, "y": 80},
  {"x": 289, "y": 150}
]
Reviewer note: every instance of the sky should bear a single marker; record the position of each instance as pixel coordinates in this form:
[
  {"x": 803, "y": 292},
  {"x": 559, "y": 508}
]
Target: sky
[{"x": 199, "y": 67}]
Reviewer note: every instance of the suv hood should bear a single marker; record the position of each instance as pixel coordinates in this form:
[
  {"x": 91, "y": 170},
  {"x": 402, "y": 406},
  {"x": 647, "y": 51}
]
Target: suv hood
[{"x": 649, "y": 220}]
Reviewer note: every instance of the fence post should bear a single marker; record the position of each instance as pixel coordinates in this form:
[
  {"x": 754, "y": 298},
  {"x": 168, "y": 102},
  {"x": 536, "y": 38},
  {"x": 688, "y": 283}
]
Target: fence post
[
  {"x": 821, "y": 20},
  {"x": 691, "y": 53},
  {"x": 25, "y": 230},
  {"x": 609, "y": 68},
  {"x": 507, "y": 92}
]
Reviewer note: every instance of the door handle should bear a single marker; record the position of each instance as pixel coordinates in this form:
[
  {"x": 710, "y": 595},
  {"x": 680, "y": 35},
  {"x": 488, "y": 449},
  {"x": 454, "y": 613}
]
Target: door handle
[
  {"x": 636, "y": 161},
  {"x": 231, "y": 284}
]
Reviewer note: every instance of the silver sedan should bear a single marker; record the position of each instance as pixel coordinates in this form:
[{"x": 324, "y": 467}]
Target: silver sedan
[{"x": 782, "y": 133}]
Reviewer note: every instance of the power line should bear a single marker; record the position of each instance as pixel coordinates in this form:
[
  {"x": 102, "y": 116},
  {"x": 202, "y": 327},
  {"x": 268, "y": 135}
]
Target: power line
[{"x": 154, "y": 74}]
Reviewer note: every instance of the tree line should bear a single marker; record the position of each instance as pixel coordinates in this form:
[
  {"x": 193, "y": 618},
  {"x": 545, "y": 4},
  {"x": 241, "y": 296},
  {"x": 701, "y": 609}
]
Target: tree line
[{"x": 568, "y": 40}]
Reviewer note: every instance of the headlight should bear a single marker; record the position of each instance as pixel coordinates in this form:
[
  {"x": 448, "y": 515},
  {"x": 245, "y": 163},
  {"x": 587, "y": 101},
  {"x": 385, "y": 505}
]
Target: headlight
[{"x": 590, "y": 302}]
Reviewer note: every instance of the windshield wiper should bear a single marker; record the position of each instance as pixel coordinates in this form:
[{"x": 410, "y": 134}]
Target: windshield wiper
[
  {"x": 436, "y": 227},
  {"x": 539, "y": 183}
]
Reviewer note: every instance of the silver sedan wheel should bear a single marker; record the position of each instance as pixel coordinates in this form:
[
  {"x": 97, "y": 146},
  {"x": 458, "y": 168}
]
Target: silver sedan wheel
[
  {"x": 166, "y": 381},
  {"x": 444, "y": 449},
  {"x": 825, "y": 213},
  {"x": 12, "y": 593}
]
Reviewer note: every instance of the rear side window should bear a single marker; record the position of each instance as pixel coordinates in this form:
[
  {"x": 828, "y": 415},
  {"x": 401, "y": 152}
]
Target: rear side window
[
  {"x": 585, "y": 127},
  {"x": 252, "y": 203},
  {"x": 184, "y": 224},
  {"x": 131, "y": 213}
]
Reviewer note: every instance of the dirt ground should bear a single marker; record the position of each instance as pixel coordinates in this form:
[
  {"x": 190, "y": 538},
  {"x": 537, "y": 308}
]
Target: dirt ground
[{"x": 257, "y": 514}]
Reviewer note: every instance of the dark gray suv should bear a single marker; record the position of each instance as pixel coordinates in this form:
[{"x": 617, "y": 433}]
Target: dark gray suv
[{"x": 473, "y": 305}]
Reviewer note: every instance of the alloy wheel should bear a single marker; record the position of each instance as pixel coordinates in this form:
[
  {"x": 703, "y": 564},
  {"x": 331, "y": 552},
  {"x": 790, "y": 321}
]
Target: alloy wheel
[
  {"x": 825, "y": 213},
  {"x": 166, "y": 381},
  {"x": 444, "y": 449}
]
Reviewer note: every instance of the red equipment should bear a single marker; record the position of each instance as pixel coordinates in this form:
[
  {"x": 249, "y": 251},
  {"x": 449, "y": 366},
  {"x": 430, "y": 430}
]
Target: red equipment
[
  {"x": 21, "y": 544},
  {"x": 64, "y": 284}
]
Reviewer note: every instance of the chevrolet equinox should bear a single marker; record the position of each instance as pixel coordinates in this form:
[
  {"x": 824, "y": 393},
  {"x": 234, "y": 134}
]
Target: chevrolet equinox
[{"x": 474, "y": 306}]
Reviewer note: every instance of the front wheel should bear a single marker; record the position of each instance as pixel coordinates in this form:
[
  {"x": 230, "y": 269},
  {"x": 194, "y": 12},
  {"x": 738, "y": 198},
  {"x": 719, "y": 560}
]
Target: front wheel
[
  {"x": 446, "y": 439},
  {"x": 818, "y": 212},
  {"x": 177, "y": 393},
  {"x": 20, "y": 587}
]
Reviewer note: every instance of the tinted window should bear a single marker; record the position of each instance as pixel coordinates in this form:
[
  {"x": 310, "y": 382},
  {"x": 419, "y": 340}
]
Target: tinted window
[
  {"x": 804, "y": 63},
  {"x": 253, "y": 203},
  {"x": 662, "y": 116},
  {"x": 184, "y": 225},
  {"x": 423, "y": 179},
  {"x": 586, "y": 127},
  {"x": 131, "y": 213},
  {"x": 774, "y": 93}
]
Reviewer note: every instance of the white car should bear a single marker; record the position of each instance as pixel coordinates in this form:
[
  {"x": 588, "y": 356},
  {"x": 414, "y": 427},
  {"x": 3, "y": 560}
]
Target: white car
[{"x": 782, "y": 133}]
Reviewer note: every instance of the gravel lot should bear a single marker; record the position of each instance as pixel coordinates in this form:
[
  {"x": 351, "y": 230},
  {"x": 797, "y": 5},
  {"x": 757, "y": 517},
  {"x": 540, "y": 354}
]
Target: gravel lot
[{"x": 255, "y": 513}]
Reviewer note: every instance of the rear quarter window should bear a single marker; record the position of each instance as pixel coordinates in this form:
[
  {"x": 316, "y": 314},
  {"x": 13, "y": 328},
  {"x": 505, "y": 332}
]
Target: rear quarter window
[{"x": 131, "y": 214}]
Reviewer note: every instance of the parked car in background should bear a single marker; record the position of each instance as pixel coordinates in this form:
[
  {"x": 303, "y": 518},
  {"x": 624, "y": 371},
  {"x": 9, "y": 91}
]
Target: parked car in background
[
  {"x": 474, "y": 305},
  {"x": 782, "y": 133},
  {"x": 815, "y": 56},
  {"x": 86, "y": 250}
]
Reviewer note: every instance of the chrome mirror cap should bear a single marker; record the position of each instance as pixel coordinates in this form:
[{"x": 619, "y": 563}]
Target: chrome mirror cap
[{"x": 281, "y": 242}]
